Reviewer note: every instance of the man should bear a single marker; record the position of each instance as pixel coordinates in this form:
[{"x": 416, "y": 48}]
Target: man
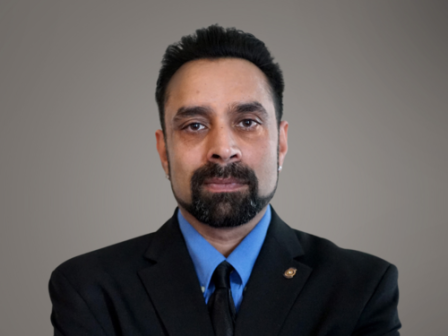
[{"x": 225, "y": 263}]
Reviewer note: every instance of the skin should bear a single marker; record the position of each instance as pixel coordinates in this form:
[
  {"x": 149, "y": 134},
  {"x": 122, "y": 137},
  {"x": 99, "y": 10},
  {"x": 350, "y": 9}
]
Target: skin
[{"x": 220, "y": 111}]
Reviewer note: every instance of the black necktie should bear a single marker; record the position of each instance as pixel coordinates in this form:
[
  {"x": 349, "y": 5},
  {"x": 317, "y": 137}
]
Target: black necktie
[{"x": 220, "y": 304}]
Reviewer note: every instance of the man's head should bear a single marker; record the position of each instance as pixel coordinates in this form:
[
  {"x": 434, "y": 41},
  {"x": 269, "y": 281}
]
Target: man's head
[
  {"x": 215, "y": 42},
  {"x": 222, "y": 139}
]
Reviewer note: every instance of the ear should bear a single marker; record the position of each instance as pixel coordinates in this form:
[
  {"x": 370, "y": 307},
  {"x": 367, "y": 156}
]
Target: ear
[
  {"x": 282, "y": 141},
  {"x": 161, "y": 149}
]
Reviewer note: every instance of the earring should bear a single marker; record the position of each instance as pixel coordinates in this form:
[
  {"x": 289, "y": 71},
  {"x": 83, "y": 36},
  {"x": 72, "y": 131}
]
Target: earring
[
  {"x": 167, "y": 176},
  {"x": 280, "y": 168}
]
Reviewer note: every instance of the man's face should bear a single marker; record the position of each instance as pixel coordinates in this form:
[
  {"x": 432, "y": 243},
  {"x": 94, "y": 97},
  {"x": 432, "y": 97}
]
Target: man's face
[{"x": 222, "y": 145}]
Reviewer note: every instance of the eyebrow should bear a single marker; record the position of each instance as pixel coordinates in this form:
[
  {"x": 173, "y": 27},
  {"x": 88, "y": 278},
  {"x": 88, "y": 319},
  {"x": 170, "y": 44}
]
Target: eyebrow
[
  {"x": 248, "y": 107},
  {"x": 192, "y": 111}
]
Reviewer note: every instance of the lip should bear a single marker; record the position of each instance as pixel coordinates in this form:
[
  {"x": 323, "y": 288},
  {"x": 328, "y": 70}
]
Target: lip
[{"x": 224, "y": 184}]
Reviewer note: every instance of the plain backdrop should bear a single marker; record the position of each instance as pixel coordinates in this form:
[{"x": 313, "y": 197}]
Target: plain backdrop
[{"x": 366, "y": 99}]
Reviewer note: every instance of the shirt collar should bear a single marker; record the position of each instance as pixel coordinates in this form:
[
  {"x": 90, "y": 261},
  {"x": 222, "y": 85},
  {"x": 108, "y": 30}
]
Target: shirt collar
[{"x": 205, "y": 257}]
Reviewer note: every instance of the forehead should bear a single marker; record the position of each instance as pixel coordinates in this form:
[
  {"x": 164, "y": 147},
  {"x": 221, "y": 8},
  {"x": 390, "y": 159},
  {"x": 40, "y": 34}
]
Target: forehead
[{"x": 216, "y": 83}]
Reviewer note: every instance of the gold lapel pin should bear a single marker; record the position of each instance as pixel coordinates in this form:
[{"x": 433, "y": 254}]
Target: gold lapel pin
[{"x": 290, "y": 272}]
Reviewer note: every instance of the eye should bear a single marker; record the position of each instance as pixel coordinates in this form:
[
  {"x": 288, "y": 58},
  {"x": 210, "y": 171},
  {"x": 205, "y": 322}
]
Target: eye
[
  {"x": 194, "y": 127},
  {"x": 247, "y": 123}
]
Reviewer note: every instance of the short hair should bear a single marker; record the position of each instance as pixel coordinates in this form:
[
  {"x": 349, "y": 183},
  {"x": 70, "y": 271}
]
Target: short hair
[{"x": 216, "y": 42}]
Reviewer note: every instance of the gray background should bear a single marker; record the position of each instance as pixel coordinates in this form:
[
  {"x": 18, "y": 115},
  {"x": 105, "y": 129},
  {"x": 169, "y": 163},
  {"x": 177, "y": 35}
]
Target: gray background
[{"x": 366, "y": 98}]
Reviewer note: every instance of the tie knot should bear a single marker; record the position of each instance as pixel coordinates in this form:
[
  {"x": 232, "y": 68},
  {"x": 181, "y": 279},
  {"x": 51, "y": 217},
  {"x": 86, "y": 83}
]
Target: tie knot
[{"x": 221, "y": 276}]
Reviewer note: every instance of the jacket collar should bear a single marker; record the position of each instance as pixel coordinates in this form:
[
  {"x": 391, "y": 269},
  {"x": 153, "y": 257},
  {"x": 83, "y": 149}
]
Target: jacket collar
[
  {"x": 173, "y": 285},
  {"x": 270, "y": 295},
  {"x": 174, "y": 289}
]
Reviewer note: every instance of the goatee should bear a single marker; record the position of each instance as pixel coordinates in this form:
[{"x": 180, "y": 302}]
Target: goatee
[{"x": 225, "y": 209}]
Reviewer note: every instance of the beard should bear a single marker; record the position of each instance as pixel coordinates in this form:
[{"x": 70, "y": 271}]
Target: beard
[{"x": 225, "y": 209}]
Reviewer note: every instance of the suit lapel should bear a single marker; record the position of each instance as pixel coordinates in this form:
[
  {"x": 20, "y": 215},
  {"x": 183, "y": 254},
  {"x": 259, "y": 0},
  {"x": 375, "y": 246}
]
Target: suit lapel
[
  {"x": 173, "y": 285},
  {"x": 270, "y": 295}
]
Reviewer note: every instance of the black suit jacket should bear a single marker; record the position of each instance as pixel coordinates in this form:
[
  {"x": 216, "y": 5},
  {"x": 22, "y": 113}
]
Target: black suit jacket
[{"x": 148, "y": 286}]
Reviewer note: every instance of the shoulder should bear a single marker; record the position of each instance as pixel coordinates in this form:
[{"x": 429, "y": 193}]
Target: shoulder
[
  {"x": 341, "y": 264},
  {"x": 108, "y": 262},
  {"x": 118, "y": 263},
  {"x": 361, "y": 289}
]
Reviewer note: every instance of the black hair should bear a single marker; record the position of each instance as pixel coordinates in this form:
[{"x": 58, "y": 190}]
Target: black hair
[{"x": 217, "y": 42}]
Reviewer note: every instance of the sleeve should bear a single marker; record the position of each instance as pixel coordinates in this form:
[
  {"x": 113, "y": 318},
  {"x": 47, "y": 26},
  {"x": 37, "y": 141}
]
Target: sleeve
[
  {"x": 380, "y": 315},
  {"x": 70, "y": 314}
]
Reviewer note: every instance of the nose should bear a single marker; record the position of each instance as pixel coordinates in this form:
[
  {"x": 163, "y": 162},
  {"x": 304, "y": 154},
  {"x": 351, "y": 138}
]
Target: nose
[{"x": 223, "y": 148}]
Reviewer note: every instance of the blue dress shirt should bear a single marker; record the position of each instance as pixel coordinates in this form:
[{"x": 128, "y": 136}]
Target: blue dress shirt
[{"x": 206, "y": 258}]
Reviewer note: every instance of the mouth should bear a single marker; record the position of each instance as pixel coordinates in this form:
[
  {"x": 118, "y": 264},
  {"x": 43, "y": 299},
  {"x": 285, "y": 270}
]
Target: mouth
[{"x": 224, "y": 185}]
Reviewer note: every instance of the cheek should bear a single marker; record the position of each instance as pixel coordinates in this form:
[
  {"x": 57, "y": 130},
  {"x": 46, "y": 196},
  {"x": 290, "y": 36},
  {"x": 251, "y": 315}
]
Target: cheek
[
  {"x": 182, "y": 167},
  {"x": 264, "y": 163}
]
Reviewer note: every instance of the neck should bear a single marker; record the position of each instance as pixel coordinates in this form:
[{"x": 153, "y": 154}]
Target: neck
[{"x": 225, "y": 240}]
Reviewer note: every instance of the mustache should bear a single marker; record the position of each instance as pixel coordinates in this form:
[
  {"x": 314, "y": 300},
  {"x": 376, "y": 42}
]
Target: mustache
[{"x": 234, "y": 170}]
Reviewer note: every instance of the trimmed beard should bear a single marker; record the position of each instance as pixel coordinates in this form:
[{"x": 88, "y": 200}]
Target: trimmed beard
[{"x": 226, "y": 209}]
